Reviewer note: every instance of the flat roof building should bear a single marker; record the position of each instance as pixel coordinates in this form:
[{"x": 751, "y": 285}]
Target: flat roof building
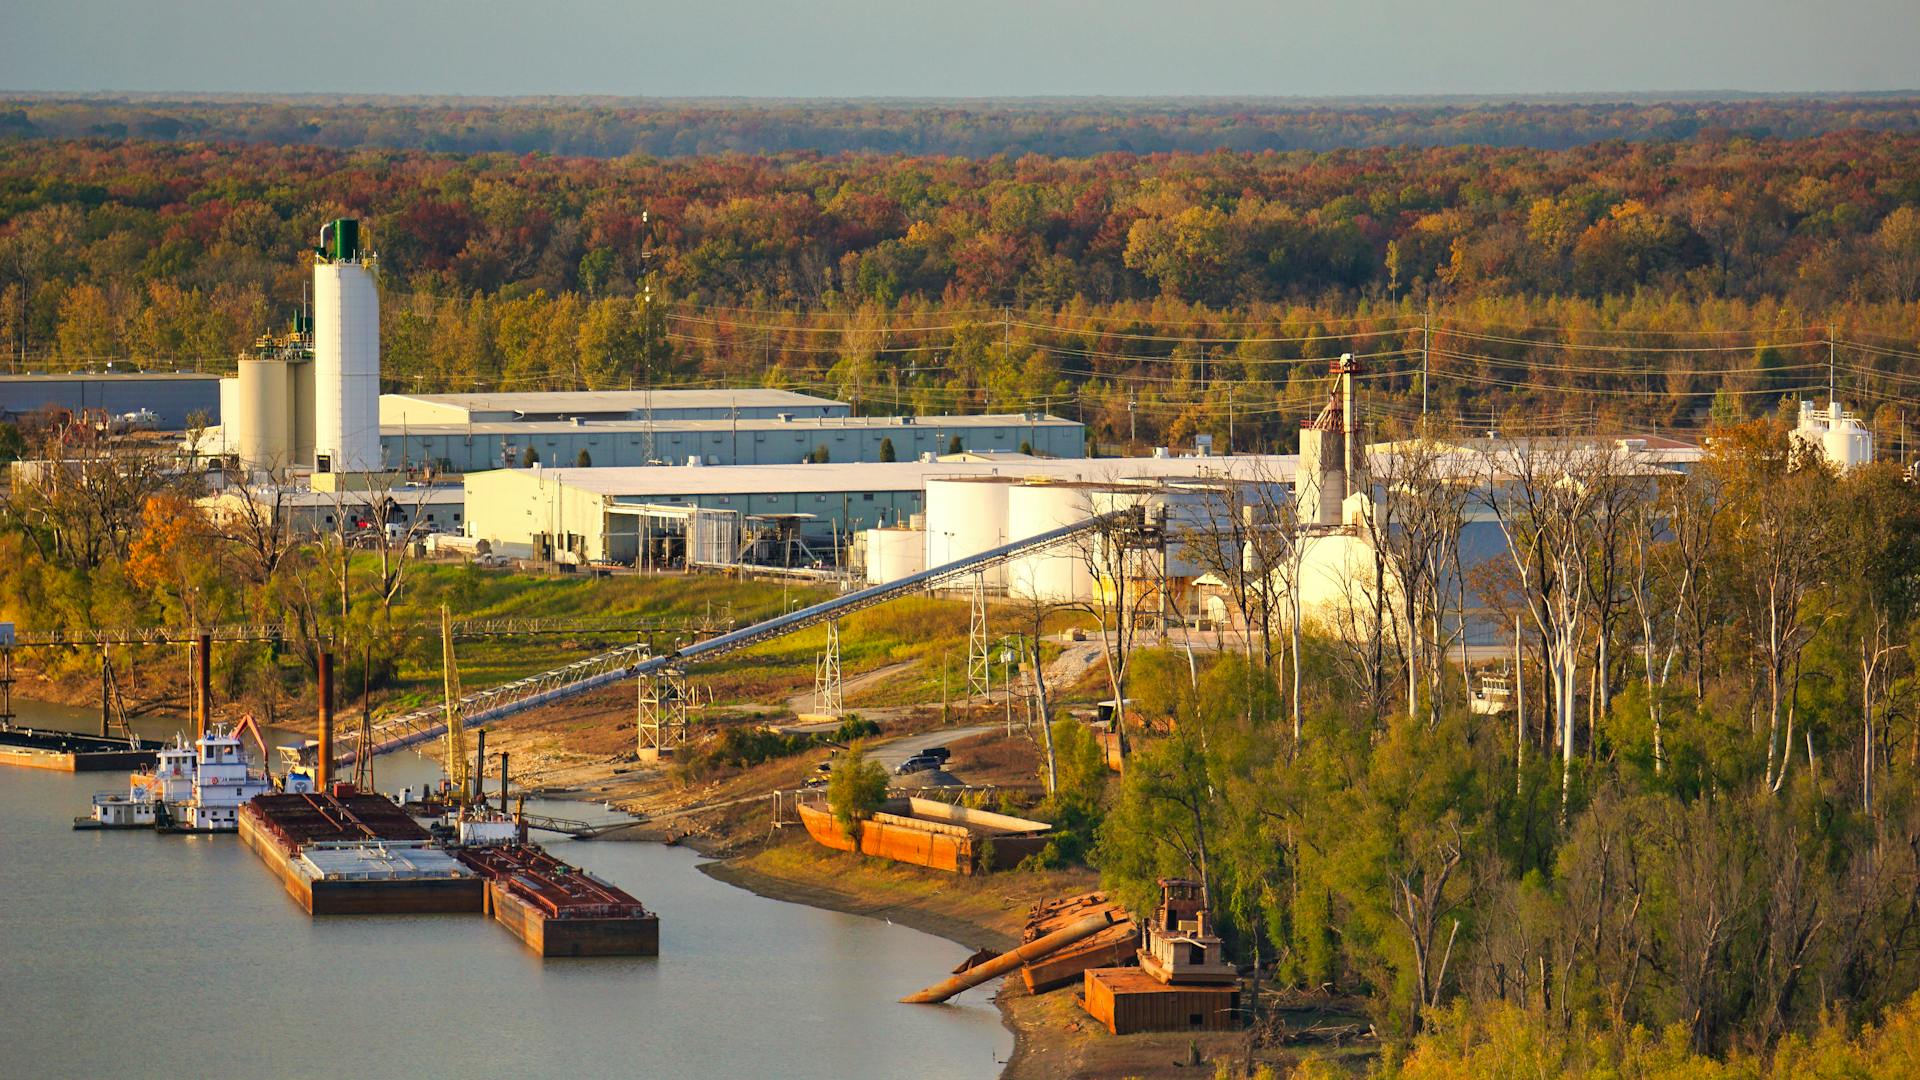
[
  {"x": 484, "y": 445},
  {"x": 536, "y": 405},
  {"x": 170, "y": 396}
]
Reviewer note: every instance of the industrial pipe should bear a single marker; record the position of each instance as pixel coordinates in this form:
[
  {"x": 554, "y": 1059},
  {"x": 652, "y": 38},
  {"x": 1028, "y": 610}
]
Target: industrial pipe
[
  {"x": 106, "y": 710},
  {"x": 1012, "y": 958},
  {"x": 203, "y": 683},
  {"x": 323, "y": 765},
  {"x": 503, "y": 781}
]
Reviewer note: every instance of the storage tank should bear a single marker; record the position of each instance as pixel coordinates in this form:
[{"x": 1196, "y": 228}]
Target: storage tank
[
  {"x": 346, "y": 355},
  {"x": 1846, "y": 443},
  {"x": 263, "y": 421},
  {"x": 894, "y": 553},
  {"x": 229, "y": 415},
  {"x": 966, "y": 517},
  {"x": 1058, "y": 574},
  {"x": 302, "y": 372}
]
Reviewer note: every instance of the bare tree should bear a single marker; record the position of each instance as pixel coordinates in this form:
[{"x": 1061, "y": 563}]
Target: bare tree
[{"x": 1544, "y": 494}]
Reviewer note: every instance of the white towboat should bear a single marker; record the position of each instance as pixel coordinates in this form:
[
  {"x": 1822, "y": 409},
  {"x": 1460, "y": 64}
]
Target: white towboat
[
  {"x": 148, "y": 792},
  {"x": 222, "y": 783}
]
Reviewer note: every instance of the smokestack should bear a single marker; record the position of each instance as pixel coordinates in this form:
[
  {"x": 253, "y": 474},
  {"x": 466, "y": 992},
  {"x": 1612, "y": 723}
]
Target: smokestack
[
  {"x": 503, "y": 781},
  {"x": 323, "y": 766},
  {"x": 1350, "y": 421},
  {"x": 477, "y": 788},
  {"x": 203, "y": 684}
]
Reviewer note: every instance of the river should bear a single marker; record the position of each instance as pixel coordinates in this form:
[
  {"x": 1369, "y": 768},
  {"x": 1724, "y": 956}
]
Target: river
[{"x": 139, "y": 954}]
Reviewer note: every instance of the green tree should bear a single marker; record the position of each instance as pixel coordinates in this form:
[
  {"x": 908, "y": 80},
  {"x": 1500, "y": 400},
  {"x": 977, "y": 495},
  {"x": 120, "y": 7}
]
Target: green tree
[
  {"x": 529, "y": 458},
  {"x": 886, "y": 448},
  {"x": 955, "y": 446},
  {"x": 583, "y": 460},
  {"x": 855, "y": 789}
]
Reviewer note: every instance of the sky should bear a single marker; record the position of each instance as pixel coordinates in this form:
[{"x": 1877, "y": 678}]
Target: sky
[{"x": 959, "y": 48}]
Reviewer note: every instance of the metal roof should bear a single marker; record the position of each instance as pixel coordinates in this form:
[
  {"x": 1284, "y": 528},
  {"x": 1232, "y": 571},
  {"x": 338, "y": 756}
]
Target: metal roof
[
  {"x": 669, "y": 481},
  {"x": 798, "y": 423},
  {"x": 558, "y": 401}
]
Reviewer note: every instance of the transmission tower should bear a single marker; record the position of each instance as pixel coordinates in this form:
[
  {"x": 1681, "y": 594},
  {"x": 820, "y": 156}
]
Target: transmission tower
[
  {"x": 979, "y": 662},
  {"x": 826, "y": 675}
]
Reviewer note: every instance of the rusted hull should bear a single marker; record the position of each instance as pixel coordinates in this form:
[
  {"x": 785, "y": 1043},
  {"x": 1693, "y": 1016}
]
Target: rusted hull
[
  {"x": 1127, "y": 1000},
  {"x": 637, "y": 936},
  {"x": 936, "y": 851},
  {"x": 1113, "y": 949}
]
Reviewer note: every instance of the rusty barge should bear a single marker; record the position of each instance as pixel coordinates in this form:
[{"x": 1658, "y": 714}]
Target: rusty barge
[
  {"x": 346, "y": 852},
  {"x": 558, "y": 909}
]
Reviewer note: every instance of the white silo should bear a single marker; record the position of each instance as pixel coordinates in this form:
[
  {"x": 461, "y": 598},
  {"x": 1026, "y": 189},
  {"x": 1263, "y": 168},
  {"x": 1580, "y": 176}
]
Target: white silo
[
  {"x": 1059, "y": 574},
  {"x": 346, "y": 354},
  {"x": 1847, "y": 442},
  {"x": 966, "y": 517}
]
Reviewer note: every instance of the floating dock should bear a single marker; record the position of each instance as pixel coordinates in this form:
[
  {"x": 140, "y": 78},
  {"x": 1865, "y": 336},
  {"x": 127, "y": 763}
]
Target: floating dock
[
  {"x": 560, "y": 910},
  {"x": 72, "y": 751},
  {"x": 351, "y": 853}
]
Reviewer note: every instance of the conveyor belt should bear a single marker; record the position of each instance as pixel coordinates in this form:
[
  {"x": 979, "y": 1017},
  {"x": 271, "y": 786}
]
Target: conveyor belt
[{"x": 408, "y": 729}]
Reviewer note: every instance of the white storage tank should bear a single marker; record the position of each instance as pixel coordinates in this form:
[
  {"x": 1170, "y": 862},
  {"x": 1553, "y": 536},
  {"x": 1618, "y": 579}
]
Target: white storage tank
[
  {"x": 262, "y": 427},
  {"x": 346, "y": 355},
  {"x": 966, "y": 517},
  {"x": 1847, "y": 443},
  {"x": 894, "y": 553},
  {"x": 1058, "y": 574}
]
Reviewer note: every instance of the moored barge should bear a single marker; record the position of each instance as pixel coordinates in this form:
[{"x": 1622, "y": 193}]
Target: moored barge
[
  {"x": 347, "y": 852},
  {"x": 560, "y": 910},
  {"x": 72, "y": 751}
]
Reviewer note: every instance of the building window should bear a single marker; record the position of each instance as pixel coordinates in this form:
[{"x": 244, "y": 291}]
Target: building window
[{"x": 866, "y": 496}]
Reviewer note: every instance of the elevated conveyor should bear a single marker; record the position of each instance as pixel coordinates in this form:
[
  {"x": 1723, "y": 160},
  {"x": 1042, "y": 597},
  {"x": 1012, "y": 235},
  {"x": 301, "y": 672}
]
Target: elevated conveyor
[{"x": 633, "y": 661}]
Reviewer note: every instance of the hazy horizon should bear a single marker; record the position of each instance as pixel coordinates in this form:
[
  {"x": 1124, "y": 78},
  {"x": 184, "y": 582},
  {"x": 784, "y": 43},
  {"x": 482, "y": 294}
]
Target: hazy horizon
[{"x": 992, "y": 50}]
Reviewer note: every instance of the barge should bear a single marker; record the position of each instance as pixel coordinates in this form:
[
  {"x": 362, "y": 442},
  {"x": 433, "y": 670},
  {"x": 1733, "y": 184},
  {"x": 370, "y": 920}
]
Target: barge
[
  {"x": 347, "y": 852},
  {"x": 557, "y": 909},
  {"x": 72, "y": 751}
]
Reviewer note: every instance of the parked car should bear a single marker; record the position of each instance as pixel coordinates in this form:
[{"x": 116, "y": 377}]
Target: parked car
[
  {"x": 917, "y": 763},
  {"x": 938, "y": 753}
]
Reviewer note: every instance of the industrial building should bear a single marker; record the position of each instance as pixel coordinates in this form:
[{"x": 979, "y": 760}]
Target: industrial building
[
  {"x": 777, "y": 440},
  {"x": 605, "y": 515},
  {"x": 553, "y": 405},
  {"x": 173, "y": 399}
]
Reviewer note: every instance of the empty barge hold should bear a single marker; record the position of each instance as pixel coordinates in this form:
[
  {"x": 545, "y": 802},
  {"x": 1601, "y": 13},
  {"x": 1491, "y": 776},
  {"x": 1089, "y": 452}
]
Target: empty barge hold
[
  {"x": 933, "y": 834},
  {"x": 352, "y": 853},
  {"x": 561, "y": 910},
  {"x": 72, "y": 751}
]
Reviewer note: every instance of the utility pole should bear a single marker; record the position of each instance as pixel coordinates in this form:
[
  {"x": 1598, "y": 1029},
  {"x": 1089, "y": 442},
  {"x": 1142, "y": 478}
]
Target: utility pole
[
  {"x": 1829, "y": 365},
  {"x": 1426, "y": 355},
  {"x": 1133, "y": 427}
]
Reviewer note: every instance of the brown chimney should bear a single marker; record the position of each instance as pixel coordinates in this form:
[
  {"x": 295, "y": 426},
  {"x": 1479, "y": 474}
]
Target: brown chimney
[{"x": 323, "y": 765}]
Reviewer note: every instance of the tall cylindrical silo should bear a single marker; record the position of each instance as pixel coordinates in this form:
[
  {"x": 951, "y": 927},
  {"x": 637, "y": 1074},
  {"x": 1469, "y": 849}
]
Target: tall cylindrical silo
[
  {"x": 346, "y": 357},
  {"x": 263, "y": 426},
  {"x": 966, "y": 517},
  {"x": 302, "y": 371},
  {"x": 1058, "y": 574}
]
